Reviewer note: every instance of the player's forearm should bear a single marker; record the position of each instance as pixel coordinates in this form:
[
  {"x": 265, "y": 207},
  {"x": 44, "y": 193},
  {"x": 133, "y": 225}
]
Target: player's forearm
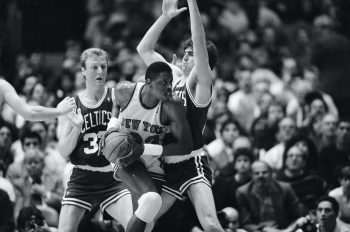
[
  {"x": 148, "y": 43},
  {"x": 68, "y": 142},
  {"x": 40, "y": 113},
  {"x": 197, "y": 34}
]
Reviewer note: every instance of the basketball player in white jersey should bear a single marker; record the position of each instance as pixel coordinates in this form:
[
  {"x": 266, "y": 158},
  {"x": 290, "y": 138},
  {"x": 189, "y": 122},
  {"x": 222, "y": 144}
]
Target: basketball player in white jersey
[
  {"x": 91, "y": 180},
  {"x": 190, "y": 173},
  {"x": 9, "y": 96},
  {"x": 148, "y": 111}
]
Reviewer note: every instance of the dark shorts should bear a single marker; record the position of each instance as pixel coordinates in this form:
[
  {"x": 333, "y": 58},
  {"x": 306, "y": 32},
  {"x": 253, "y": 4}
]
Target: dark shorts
[
  {"x": 86, "y": 188},
  {"x": 180, "y": 176}
]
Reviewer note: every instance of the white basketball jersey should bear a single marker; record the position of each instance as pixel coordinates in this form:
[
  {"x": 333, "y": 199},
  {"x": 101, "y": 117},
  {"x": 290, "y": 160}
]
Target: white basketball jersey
[{"x": 144, "y": 123}]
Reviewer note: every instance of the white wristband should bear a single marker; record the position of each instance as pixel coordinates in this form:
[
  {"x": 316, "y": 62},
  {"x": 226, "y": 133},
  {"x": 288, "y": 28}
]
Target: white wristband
[
  {"x": 152, "y": 149},
  {"x": 112, "y": 123}
]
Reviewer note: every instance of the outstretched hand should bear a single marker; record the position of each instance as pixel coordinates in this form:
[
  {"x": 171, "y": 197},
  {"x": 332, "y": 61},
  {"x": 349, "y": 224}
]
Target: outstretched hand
[
  {"x": 66, "y": 105},
  {"x": 170, "y": 9},
  {"x": 76, "y": 118}
]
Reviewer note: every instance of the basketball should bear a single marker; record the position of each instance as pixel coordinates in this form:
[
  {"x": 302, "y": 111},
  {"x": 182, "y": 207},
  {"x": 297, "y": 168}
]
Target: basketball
[{"x": 116, "y": 146}]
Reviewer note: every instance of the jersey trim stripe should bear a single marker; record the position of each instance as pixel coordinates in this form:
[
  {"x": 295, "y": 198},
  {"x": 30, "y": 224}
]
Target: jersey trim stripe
[
  {"x": 97, "y": 104},
  {"x": 132, "y": 95},
  {"x": 192, "y": 98},
  {"x": 113, "y": 199},
  {"x": 107, "y": 168},
  {"x": 172, "y": 192},
  {"x": 197, "y": 179},
  {"x": 77, "y": 202}
]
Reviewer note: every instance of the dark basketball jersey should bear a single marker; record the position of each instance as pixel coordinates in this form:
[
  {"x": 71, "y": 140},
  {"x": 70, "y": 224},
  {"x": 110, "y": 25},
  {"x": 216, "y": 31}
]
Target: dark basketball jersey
[
  {"x": 96, "y": 119},
  {"x": 196, "y": 114}
]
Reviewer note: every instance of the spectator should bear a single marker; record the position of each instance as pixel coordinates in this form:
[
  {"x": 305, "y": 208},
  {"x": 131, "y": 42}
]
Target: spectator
[
  {"x": 264, "y": 203},
  {"x": 220, "y": 150},
  {"x": 342, "y": 195},
  {"x": 31, "y": 219},
  {"x": 6, "y": 137},
  {"x": 335, "y": 155},
  {"x": 326, "y": 215},
  {"x": 308, "y": 186},
  {"x": 286, "y": 131},
  {"x": 229, "y": 219}
]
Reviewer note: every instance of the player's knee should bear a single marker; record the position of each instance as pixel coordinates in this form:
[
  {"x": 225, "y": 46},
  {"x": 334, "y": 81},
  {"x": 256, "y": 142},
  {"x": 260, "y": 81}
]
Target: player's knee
[{"x": 149, "y": 205}]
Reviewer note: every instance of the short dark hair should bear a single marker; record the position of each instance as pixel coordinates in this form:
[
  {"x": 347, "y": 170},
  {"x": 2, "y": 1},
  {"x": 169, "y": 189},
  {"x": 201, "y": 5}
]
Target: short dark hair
[
  {"x": 211, "y": 49},
  {"x": 331, "y": 200},
  {"x": 29, "y": 214},
  {"x": 30, "y": 134},
  {"x": 315, "y": 95},
  {"x": 230, "y": 121},
  {"x": 247, "y": 152},
  {"x": 156, "y": 68}
]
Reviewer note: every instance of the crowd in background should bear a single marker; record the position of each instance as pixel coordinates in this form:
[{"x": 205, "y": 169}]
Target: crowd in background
[{"x": 278, "y": 116}]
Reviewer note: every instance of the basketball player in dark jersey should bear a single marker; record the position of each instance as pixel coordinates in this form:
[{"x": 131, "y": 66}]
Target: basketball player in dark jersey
[
  {"x": 189, "y": 173},
  {"x": 91, "y": 181},
  {"x": 149, "y": 111},
  {"x": 9, "y": 96}
]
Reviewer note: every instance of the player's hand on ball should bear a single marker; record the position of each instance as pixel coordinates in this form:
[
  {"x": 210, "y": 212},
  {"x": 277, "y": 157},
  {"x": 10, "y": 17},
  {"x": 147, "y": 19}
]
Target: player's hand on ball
[
  {"x": 170, "y": 9},
  {"x": 76, "y": 118},
  {"x": 135, "y": 152}
]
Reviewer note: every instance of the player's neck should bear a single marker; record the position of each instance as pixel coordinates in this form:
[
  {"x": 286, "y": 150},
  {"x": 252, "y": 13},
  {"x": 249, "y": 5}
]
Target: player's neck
[
  {"x": 147, "y": 98},
  {"x": 94, "y": 92}
]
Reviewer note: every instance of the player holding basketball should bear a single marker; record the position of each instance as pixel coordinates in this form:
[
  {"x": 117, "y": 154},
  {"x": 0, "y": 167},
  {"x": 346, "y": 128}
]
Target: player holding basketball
[
  {"x": 148, "y": 111},
  {"x": 91, "y": 180},
  {"x": 33, "y": 113},
  {"x": 189, "y": 173}
]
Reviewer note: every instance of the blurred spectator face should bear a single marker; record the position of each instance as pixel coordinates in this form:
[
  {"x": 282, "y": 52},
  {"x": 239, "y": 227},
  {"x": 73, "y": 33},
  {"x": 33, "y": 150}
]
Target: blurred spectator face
[
  {"x": 274, "y": 113},
  {"x": 38, "y": 94},
  {"x": 67, "y": 83},
  {"x": 287, "y": 129},
  {"x": 264, "y": 102},
  {"x": 345, "y": 180},
  {"x": 302, "y": 36},
  {"x": 242, "y": 164},
  {"x": 312, "y": 76},
  {"x": 329, "y": 125},
  {"x": 30, "y": 144},
  {"x": 231, "y": 219},
  {"x": 259, "y": 89},
  {"x": 269, "y": 35},
  {"x": 317, "y": 108},
  {"x": 260, "y": 128},
  {"x": 5, "y": 137},
  {"x": 261, "y": 173},
  {"x": 29, "y": 84},
  {"x": 300, "y": 88},
  {"x": 39, "y": 128},
  {"x": 289, "y": 66},
  {"x": 343, "y": 133},
  {"x": 36, "y": 59},
  {"x": 325, "y": 213},
  {"x": 34, "y": 163},
  {"x": 230, "y": 133},
  {"x": 245, "y": 62},
  {"x": 295, "y": 160},
  {"x": 244, "y": 80},
  {"x": 51, "y": 129}
]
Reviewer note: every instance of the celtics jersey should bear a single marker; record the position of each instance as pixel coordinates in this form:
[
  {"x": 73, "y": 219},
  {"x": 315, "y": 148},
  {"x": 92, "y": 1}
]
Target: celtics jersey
[
  {"x": 144, "y": 123},
  {"x": 196, "y": 116},
  {"x": 96, "y": 119}
]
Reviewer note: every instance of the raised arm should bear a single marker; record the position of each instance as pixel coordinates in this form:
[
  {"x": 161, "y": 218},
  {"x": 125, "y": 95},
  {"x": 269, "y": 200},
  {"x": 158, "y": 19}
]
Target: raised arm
[
  {"x": 146, "y": 47},
  {"x": 33, "y": 113},
  {"x": 69, "y": 132},
  {"x": 200, "y": 78}
]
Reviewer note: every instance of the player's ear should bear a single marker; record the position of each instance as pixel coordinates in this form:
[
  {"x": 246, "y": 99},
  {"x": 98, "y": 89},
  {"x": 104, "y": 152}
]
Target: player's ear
[
  {"x": 83, "y": 71},
  {"x": 148, "y": 81}
]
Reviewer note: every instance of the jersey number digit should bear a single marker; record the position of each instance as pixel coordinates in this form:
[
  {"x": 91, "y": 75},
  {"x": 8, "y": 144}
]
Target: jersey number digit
[{"x": 93, "y": 140}]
